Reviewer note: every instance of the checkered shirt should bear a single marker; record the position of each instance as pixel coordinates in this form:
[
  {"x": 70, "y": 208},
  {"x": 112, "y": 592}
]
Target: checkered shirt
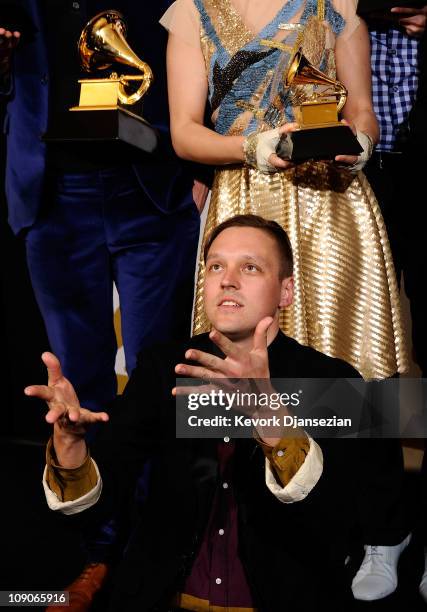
[{"x": 394, "y": 59}]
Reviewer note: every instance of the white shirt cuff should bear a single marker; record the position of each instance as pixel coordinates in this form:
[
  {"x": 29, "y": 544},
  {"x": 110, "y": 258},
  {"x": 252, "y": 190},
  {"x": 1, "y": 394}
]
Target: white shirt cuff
[
  {"x": 304, "y": 480},
  {"x": 76, "y": 505}
]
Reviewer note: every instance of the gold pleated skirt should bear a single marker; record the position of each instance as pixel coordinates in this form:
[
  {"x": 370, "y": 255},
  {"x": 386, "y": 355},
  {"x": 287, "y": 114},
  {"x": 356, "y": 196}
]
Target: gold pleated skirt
[{"x": 346, "y": 301}]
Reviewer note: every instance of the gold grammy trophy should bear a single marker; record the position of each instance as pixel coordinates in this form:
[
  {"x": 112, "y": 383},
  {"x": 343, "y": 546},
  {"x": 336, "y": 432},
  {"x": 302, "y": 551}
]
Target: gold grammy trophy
[
  {"x": 322, "y": 135},
  {"x": 102, "y": 42},
  {"x": 321, "y": 108},
  {"x": 107, "y": 107}
]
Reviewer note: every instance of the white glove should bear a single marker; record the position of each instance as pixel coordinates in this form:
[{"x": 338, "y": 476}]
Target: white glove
[
  {"x": 367, "y": 144},
  {"x": 258, "y": 147}
]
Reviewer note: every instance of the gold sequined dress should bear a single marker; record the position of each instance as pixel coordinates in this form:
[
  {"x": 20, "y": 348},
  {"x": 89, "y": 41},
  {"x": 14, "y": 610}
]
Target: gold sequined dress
[{"x": 346, "y": 297}]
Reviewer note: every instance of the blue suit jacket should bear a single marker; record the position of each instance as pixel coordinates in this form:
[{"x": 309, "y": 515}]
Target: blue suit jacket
[{"x": 167, "y": 182}]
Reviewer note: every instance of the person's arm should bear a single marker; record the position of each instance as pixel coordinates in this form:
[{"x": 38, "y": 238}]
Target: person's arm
[
  {"x": 292, "y": 468},
  {"x": 67, "y": 452},
  {"x": 139, "y": 425},
  {"x": 293, "y": 461},
  {"x": 70, "y": 490},
  {"x": 353, "y": 59},
  {"x": 188, "y": 92}
]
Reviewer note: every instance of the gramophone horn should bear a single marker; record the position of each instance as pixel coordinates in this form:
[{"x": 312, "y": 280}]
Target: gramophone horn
[
  {"x": 102, "y": 42},
  {"x": 302, "y": 72}
]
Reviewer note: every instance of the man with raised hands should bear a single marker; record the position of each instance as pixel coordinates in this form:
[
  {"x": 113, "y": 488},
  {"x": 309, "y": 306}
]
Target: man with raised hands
[{"x": 219, "y": 529}]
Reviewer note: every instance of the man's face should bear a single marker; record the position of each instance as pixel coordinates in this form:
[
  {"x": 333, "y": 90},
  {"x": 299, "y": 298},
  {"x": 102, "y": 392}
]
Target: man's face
[{"x": 242, "y": 284}]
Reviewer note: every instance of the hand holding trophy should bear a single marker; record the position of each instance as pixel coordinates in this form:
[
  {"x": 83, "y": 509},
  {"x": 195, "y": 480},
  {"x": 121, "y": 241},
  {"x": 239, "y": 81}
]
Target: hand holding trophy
[{"x": 317, "y": 100}]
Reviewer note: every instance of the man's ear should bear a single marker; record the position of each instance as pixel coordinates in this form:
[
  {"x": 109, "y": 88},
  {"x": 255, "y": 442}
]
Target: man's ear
[{"x": 287, "y": 292}]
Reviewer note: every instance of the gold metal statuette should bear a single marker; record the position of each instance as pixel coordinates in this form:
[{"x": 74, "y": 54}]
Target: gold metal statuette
[
  {"x": 102, "y": 42},
  {"x": 321, "y": 108},
  {"x": 115, "y": 102}
]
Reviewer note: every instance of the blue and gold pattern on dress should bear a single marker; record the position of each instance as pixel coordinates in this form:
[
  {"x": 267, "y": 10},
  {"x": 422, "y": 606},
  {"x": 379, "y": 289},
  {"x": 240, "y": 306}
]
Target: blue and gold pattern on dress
[
  {"x": 346, "y": 300},
  {"x": 237, "y": 74}
]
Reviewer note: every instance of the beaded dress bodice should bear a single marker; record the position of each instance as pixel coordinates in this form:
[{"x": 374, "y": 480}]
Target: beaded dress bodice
[{"x": 245, "y": 75}]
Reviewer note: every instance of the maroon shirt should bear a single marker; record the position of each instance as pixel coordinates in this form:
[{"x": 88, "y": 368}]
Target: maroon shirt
[{"x": 217, "y": 574}]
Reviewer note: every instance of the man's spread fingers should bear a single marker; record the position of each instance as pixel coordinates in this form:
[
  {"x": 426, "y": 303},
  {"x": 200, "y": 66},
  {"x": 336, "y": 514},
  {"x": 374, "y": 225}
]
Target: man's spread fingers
[
  {"x": 41, "y": 391},
  {"x": 205, "y": 359},
  {"x": 56, "y": 412},
  {"x": 226, "y": 345},
  {"x": 53, "y": 367},
  {"x": 183, "y": 391},
  {"x": 74, "y": 414},
  {"x": 103, "y": 416},
  {"x": 194, "y": 371},
  {"x": 92, "y": 417},
  {"x": 261, "y": 331}
]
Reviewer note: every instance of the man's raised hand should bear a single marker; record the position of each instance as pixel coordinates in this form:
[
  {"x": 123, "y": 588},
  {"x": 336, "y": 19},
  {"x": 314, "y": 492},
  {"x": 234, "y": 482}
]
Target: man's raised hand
[
  {"x": 65, "y": 412},
  {"x": 238, "y": 363}
]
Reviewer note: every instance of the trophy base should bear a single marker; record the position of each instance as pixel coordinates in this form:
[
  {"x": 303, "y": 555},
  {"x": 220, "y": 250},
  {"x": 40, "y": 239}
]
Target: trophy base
[
  {"x": 322, "y": 142},
  {"x": 103, "y": 124}
]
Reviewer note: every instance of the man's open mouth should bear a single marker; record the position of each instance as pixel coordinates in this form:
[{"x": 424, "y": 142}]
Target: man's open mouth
[{"x": 228, "y": 303}]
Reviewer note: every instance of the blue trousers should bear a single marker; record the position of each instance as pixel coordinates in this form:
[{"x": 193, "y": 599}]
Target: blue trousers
[{"x": 97, "y": 228}]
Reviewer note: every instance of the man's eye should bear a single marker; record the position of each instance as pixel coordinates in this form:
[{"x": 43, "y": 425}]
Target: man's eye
[
  {"x": 251, "y": 268},
  {"x": 215, "y": 267}
]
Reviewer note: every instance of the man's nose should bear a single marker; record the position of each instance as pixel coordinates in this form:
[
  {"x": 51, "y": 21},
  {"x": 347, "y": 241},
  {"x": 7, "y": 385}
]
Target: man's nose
[{"x": 230, "y": 278}]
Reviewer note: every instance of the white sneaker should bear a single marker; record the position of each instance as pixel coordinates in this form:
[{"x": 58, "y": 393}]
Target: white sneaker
[
  {"x": 377, "y": 576},
  {"x": 423, "y": 583}
]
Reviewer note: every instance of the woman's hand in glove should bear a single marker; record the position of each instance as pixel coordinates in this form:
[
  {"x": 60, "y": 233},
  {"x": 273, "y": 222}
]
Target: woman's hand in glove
[
  {"x": 260, "y": 149},
  {"x": 354, "y": 163}
]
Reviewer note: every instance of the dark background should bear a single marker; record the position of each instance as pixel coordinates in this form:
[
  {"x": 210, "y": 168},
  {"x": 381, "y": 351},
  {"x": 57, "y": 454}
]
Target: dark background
[
  {"x": 22, "y": 332},
  {"x": 36, "y": 550}
]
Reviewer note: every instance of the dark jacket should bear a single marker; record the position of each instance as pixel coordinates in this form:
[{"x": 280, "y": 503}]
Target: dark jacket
[{"x": 293, "y": 553}]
